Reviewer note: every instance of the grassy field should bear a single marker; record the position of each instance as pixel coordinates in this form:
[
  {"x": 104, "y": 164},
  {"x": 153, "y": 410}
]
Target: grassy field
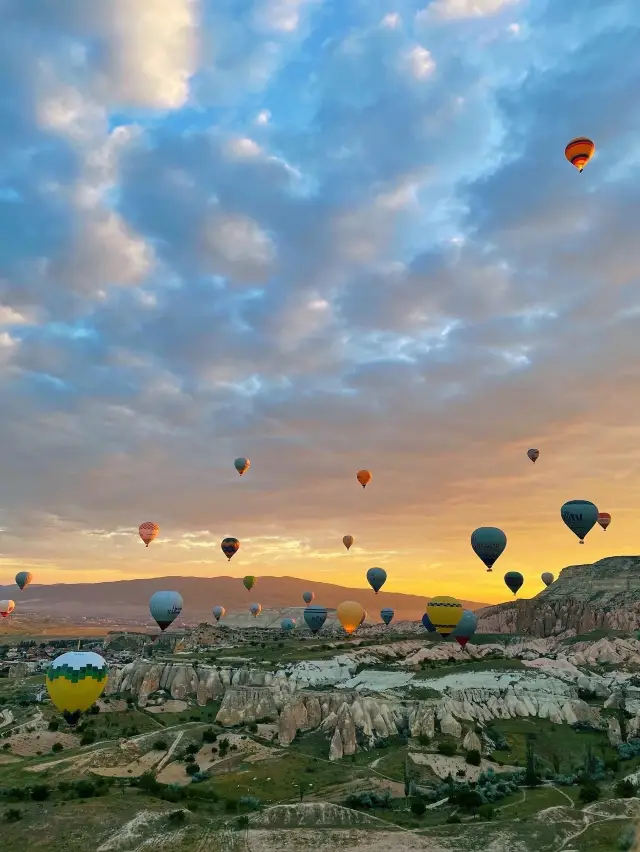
[{"x": 550, "y": 740}]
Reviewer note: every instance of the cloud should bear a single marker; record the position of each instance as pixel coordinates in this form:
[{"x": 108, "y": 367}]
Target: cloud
[{"x": 327, "y": 239}]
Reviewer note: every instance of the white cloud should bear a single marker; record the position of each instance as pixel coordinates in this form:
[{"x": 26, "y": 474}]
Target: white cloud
[
  {"x": 263, "y": 117},
  {"x": 391, "y": 21},
  {"x": 420, "y": 62},
  {"x": 460, "y": 9}
]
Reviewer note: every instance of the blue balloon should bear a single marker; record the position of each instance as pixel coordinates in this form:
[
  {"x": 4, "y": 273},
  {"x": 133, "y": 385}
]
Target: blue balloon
[
  {"x": 376, "y": 577},
  {"x": 315, "y": 617},
  {"x": 428, "y": 624},
  {"x": 287, "y": 624},
  {"x": 387, "y": 615},
  {"x": 466, "y": 627}
]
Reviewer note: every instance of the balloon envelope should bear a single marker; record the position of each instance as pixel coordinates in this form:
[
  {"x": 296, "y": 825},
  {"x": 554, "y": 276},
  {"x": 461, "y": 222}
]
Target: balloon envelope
[
  {"x": 23, "y": 578},
  {"x": 165, "y": 607},
  {"x": 229, "y": 547},
  {"x": 533, "y": 455},
  {"x": 148, "y": 531},
  {"x": 7, "y": 607},
  {"x": 218, "y": 612},
  {"x": 347, "y": 540},
  {"x": 364, "y": 477},
  {"x": 249, "y": 582},
  {"x": 547, "y": 578},
  {"x": 580, "y": 516},
  {"x": 255, "y": 609},
  {"x": 364, "y": 617},
  {"x": 445, "y": 613},
  {"x": 242, "y": 465},
  {"x": 307, "y": 597},
  {"x": 75, "y": 680},
  {"x": 467, "y": 624},
  {"x": 428, "y": 624},
  {"x": 579, "y": 151},
  {"x": 488, "y": 543},
  {"x": 376, "y": 577},
  {"x": 315, "y": 617},
  {"x": 287, "y": 624},
  {"x": 350, "y": 615},
  {"x": 386, "y": 615},
  {"x": 604, "y": 519},
  {"x": 513, "y": 580}
]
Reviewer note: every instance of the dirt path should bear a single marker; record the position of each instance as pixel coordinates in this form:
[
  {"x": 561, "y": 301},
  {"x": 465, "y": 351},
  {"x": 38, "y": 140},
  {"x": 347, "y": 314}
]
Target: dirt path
[
  {"x": 169, "y": 754},
  {"x": 587, "y": 826}
]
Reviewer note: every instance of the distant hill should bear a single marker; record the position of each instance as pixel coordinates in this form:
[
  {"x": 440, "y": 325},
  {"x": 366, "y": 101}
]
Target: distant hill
[
  {"x": 603, "y": 595},
  {"x": 129, "y": 599}
]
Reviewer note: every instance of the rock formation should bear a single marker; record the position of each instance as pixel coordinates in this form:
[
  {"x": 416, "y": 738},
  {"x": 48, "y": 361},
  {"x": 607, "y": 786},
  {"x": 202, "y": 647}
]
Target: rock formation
[{"x": 605, "y": 594}]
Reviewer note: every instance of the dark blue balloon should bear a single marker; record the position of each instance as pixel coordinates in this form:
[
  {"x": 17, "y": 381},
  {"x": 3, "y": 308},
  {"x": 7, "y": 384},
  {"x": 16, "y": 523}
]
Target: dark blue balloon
[
  {"x": 386, "y": 615},
  {"x": 428, "y": 624},
  {"x": 315, "y": 617}
]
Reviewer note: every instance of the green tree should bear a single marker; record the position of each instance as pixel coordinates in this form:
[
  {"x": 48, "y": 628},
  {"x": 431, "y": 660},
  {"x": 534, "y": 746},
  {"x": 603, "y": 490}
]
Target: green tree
[{"x": 531, "y": 775}]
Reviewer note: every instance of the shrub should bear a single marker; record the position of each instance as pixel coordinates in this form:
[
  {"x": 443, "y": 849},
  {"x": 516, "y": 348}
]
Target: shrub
[
  {"x": 589, "y": 792},
  {"x": 13, "y": 815},
  {"x": 252, "y": 803},
  {"x": 87, "y": 738},
  {"x": 253, "y": 727},
  {"x": 57, "y": 747},
  {"x": 625, "y": 788},
  {"x": 177, "y": 817},
  {"x": 84, "y": 789},
  {"x": 627, "y": 839},
  {"x": 473, "y": 757},
  {"x": 447, "y": 747},
  {"x": 369, "y": 799},
  {"x": 192, "y": 768},
  {"x": 40, "y": 793},
  {"x": 160, "y": 745},
  {"x": 209, "y": 736},
  {"x": 486, "y": 812},
  {"x": 53, "y": 725},
  {"x": 418, "y": 808},
  {"x": 453, "y": 819}
]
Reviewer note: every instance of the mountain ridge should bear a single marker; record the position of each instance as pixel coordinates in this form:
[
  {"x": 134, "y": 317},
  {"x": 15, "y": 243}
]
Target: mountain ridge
[{"x": 129, "y": 599}]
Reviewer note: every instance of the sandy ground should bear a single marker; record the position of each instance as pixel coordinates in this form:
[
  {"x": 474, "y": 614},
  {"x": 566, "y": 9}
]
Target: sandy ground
[
  {"x": 267, "y": 731},
  {"x": 171, "y": 706},
  {"x": 444, "y": 766},
  {"x": 116, "y": 705},
  {"x": 5, "y": 758},
  {"x": 26, "y": 745},
  {"x": 134, "y": 769},
  {"x": 352, "y": 840}
]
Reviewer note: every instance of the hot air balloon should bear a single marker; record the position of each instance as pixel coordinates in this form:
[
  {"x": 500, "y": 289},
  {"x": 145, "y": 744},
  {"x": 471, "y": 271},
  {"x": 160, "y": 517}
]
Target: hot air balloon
[
  {"x": 364, "y": 617},
  {"x": 579, "y": 151},
  {"x": 75, "y": 681},
  {"x": 6, "y": 608},
  {"x": 376, "y": 577},
  {"x": 148, "y": 532},
  {"x": 386, "y": 615},
  {"x": 287, "y": 624},
  {"x": 465, "y": 628},
  {"x": 242, "y": 465},
  {"x": 364, "y": 477},
  {"x": 445, "y": 613},
  {"x": 315, "y": 617},
  {"x": 218, "y": 612},
  {"x": 547, "y": 578},
  {"x": 255, "y": 609},
  {"x": 249, "y": 582},
  {"x": 347, "y": 540},
  {"x": 229, "y": 547},
  {"x": 488, "y": 543},
  {"x": 604, "y": 519},
  {"x": 428, "y": 624},
  {"x": 165, "y": 607},
  {"x": 533, "y": 455},
  {"x": 307, "y": 597},
  {"x": 513, "y": 580},
  {"x": 23, "y": 578},
  {"x": 350, "y": 615},
  {"x": 580, "y": 516}
]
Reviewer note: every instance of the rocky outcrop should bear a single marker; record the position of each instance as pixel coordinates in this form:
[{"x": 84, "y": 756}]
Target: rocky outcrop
[{"x": 605, "y": 594}]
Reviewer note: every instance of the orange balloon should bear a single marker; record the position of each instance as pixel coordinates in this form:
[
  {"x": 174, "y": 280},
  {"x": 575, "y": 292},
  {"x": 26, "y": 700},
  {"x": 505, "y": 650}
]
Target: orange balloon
[
  {"x": 364, "y": 477},
  {"x": 579, "y": 151},
  {"x": 347, "y": 540},
  {"x": 350, "y": 615},
  {"x": 148, "y": 531}
]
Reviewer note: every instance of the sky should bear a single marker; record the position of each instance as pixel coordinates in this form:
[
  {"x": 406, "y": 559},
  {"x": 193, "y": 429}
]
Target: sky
[{"x": 326, "y": 236}]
